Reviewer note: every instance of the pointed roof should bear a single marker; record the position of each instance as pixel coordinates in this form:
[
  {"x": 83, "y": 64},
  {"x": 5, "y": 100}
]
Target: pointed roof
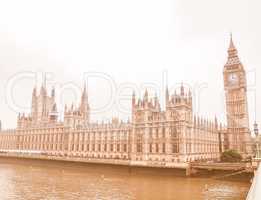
[
  {"x": 84, "y": 93},
  {"x": 233, "y": 58},
  {"x": 43, "y": 90},
  {"x": 146, "y": 95},
  {"x": 133, "y": 94},
  {"x": 232, "y": 51},
  {"x": 44, "y": 82},
  {"x": 84, "y": 86},
  {"x": 182, "y": 89},
  {"x": 216, "y": 122},
  {"x": 231, "y": 44},
  {"x": 53, "y": 92},
  {"x": 167, "y": 92},
  {"x": 34, "y": 91}
]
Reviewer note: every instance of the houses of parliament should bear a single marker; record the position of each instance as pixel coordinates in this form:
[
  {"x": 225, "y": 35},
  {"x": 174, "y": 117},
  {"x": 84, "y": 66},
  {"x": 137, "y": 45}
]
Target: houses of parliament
[{"x": 153, "y": 136}]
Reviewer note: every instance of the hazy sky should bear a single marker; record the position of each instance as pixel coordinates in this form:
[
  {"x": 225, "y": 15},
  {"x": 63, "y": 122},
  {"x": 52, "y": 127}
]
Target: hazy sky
[{"x": 133, "y": 43}]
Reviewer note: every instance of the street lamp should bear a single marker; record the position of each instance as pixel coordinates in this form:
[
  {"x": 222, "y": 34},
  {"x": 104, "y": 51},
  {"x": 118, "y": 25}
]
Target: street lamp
[
  {"x": 256, "y": 129},
  {"x": 257, "y": 140}
]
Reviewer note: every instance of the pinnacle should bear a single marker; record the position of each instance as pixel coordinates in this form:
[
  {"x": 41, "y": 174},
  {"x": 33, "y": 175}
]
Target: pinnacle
[{"x": 231, "y": 44}]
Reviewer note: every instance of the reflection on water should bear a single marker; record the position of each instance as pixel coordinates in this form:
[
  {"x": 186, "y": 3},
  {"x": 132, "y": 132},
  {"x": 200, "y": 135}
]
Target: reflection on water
[{"x": 35, "y": 180}]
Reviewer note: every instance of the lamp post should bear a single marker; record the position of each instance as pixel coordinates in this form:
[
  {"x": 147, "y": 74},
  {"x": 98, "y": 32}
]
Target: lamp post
[{"x": 257, "y": 140}]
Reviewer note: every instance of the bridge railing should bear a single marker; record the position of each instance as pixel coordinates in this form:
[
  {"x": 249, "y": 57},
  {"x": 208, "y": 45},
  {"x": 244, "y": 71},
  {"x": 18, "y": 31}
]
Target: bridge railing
[{"x": 255, "y": 192}]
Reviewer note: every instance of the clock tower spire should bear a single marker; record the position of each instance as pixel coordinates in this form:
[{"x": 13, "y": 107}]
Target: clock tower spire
[
  {"x": 233, "y": 58},
  {"x": 238, "y": 133}
]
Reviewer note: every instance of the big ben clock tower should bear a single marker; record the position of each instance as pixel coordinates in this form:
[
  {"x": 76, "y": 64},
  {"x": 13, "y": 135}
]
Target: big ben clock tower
[{"x": 235, "y": 85}]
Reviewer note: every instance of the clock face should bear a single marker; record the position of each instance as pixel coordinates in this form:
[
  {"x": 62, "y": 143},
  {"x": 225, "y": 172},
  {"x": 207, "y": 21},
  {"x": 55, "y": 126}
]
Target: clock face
[{"x": 233, "y": 78}]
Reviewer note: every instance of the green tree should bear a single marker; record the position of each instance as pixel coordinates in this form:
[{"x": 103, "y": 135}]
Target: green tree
[{"x": 231, "y": 156}]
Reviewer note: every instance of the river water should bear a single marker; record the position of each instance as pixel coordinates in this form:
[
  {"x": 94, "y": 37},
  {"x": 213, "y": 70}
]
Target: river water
[{"x": 36, "y": 180}]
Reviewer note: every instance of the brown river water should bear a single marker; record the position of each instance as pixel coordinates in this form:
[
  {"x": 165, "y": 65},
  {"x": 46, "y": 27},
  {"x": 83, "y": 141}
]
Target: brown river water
[{"x": 50, "y": 180}]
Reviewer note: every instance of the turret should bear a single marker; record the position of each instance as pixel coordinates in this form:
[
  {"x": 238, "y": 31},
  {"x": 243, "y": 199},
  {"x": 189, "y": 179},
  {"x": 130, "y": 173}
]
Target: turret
[
  {"x": 41, "y": 108},
  {"x": 133, "y": 100},
  {"x": 167, "y": 96},
  {"x": 180, "y": 105},
  {"x": 146, "y": 99},
  {"x": 182, "y": 90},
  {"x": 53, "y": 93},
  {"x": 145, "y": 110},
  {"x": 216, "y": 123},
  {"x": 156, "y": 103},
  {"x": 78, "y": 116},
  {"x": 43, "y": 91},
  {"x": 34, "y": 107},
  {"x": 23, "y": 121},
  {"x": 84, "y": 106}
]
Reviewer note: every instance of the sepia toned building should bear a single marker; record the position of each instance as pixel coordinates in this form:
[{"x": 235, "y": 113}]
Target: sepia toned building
[
  {"x": 154, "y": 136},
  {"x": 235, "y": 85}
]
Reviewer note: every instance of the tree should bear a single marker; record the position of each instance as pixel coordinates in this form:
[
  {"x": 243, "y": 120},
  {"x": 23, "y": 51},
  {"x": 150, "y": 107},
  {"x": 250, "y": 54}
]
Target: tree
[{"x": 231, "y": 156}]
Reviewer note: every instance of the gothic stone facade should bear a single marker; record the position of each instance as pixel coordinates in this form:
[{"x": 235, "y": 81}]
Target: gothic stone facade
[
  {"x": 235, "y": 85},
  {"x": 153, "y": 137}
]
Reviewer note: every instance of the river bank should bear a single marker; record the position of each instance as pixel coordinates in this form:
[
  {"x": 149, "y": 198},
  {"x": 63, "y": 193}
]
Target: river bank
[{"x": 179, "y": 170}]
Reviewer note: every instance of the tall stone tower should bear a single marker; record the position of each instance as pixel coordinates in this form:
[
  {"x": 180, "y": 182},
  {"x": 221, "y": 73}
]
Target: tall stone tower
[
  {"x": 179, "y": 114},
  {"x": 78, "y": 116},
  {"x": 42, "y": 106},
  {"x": 146, "y": 116},
  {"x": 84, "y": 106},
  {"x": 235, "y": 85}
]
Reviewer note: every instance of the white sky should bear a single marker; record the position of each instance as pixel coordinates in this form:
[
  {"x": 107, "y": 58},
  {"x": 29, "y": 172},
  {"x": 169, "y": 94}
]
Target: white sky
[{"x": 133, "y": 42}]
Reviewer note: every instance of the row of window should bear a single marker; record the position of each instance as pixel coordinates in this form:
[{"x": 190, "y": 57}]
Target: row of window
[
  {"x": 100, "y": 136},
  {"x": 159, "y": 132},
  {"x": 174, "y": 149},
  {"x": 100, "y": 147},
  {"x": 39, "y": 138},
  {"x": 74, "y": 147}
]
